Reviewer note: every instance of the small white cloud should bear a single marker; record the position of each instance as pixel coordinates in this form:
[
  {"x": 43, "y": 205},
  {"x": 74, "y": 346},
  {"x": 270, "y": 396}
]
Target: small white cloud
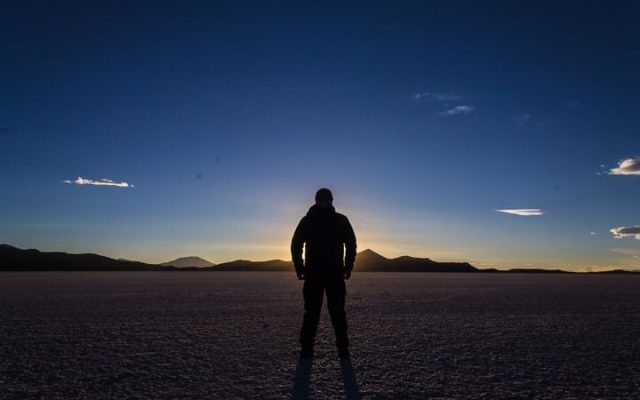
[
  {"x": 626, "y": 232},
  {"x": 463, "y": 109},
  {"x": 628, "y": 166},
  {"x": 523, "y": 212},
  {"x": 592, "y": 233},
  {"x": 450, "y": 103},
  {"x": 100, "y": 182},
  {"x": 439, "y": 97}
]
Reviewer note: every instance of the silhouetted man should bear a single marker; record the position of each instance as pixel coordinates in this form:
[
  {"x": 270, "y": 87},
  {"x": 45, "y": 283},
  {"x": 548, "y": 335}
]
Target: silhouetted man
[{"x": 325, "y": 235}]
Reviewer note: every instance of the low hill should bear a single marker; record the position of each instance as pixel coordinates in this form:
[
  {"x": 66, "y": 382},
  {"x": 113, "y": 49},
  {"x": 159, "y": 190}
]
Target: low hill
[
  {"x": 620, "y": 271},
  {"x": 188, "y": 262},
  {"x": 526, "y": 271}
]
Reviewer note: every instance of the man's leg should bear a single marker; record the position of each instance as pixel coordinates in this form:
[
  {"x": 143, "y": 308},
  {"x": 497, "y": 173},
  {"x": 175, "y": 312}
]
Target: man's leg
[
  {"x": 336, "y": 293},
  {"x": 312, "y": 292}
]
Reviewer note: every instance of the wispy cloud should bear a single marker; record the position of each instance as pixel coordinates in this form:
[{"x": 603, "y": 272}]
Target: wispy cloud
[
  {"x": 463, "y": 109},
  {"x": 449, "y": 103},
  {"x": 100, "y": 182},
  {"x": 522, "y": 119},
  {"x": 571, "y": 104},
  {"x": 626, "y": 232},
  {"x": 439, "y": 97},
  {"x": 626, "y": 251},
  {"x": 627, "y": 166},
  {"x": 523, "y": 212}
]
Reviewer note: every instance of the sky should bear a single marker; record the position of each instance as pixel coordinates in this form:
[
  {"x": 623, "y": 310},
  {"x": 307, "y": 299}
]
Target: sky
[{"x": 152, "y": 130}]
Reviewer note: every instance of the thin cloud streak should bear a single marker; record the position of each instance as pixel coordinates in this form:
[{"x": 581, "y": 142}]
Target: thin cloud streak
[
  {"x": 463, "y": 109},
  {"x": 522, "y": 119},
  {"x": 100, "y": 182},
  {"x": 622, "y": 232},
  {"x": 451, "y": 103},
  {"x": 523, "y": 212},
  {"x": 635, "y": 253},
  {"x": 439, "y": 97},
  {"x": 628, "y": 166}
]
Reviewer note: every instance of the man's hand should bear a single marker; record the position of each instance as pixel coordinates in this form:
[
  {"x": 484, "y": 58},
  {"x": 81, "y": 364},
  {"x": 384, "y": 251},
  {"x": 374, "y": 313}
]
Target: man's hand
[
  {"x": 299, "y": 271},
  {"x": 347, "y": 273}
]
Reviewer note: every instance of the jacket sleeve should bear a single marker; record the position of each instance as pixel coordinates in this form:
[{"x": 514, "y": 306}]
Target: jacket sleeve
[
  {"x": 297, "y": 243},
  {"x": 350, "y": 245}
]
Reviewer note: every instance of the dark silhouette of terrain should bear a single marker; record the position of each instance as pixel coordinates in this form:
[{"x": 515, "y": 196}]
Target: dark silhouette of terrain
[
  {"x": 15, "y": 259},
  {"x": 246, "y": 265},
  {"x": 370, "y": 261},
  {"x": 188, "y": 262},
  {"x": 526, "y": 271},
  {"x": 619, "y": 271}
]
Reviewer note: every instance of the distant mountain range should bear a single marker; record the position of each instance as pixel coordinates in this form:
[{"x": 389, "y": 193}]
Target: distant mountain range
[
  {"x": 15, "y": 259},
  {"x": 188, "y": 262}
]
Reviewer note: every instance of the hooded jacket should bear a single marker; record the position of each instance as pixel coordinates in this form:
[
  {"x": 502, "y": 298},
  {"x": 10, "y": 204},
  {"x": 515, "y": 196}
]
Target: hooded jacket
[{"x": 325, "y": 234}]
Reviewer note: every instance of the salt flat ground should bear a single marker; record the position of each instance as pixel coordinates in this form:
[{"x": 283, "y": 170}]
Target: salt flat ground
[{"x": 233, "y": 335}]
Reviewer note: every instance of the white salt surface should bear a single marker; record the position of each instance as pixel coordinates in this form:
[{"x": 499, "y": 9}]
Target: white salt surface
[{"x": 226, "y": 335}]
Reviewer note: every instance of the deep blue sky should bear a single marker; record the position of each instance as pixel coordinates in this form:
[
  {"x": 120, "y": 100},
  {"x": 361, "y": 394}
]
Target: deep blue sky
[{"x": 422, "y": 117}]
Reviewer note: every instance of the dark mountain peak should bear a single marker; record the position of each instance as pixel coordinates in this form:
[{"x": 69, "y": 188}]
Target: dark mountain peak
[
  {"x": 371, "y": 255},
  {"x": 369, "y": 260}
]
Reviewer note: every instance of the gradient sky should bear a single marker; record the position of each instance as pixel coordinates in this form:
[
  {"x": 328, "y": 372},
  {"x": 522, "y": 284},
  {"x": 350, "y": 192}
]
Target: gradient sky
[{"x": 424, "y": 118}]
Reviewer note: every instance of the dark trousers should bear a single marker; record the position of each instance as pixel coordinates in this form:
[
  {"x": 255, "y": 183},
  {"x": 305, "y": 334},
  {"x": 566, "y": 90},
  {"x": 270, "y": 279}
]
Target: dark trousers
[{"x": 313, "y": 292}]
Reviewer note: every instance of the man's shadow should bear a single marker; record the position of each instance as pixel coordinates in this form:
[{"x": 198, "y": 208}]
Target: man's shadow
[
  {"x": 349, "y": 379},
  {"x": 302, "y": 380}
]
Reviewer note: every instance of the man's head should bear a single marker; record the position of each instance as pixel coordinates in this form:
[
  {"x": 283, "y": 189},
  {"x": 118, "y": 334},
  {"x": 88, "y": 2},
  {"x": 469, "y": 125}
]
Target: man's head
[{"x": 324, "y": 197}]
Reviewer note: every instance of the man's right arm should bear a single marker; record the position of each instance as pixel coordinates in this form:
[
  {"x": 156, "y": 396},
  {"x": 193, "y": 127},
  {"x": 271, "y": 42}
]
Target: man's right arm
[
  {"x": 297, "y": 244},
  {"x": 350, "y": 248}
]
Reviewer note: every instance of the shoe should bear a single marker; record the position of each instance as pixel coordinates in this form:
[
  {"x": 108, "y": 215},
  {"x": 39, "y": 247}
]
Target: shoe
[
  {"x": 306, "y": 352},
  {"x": 343, "y": 353}
]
